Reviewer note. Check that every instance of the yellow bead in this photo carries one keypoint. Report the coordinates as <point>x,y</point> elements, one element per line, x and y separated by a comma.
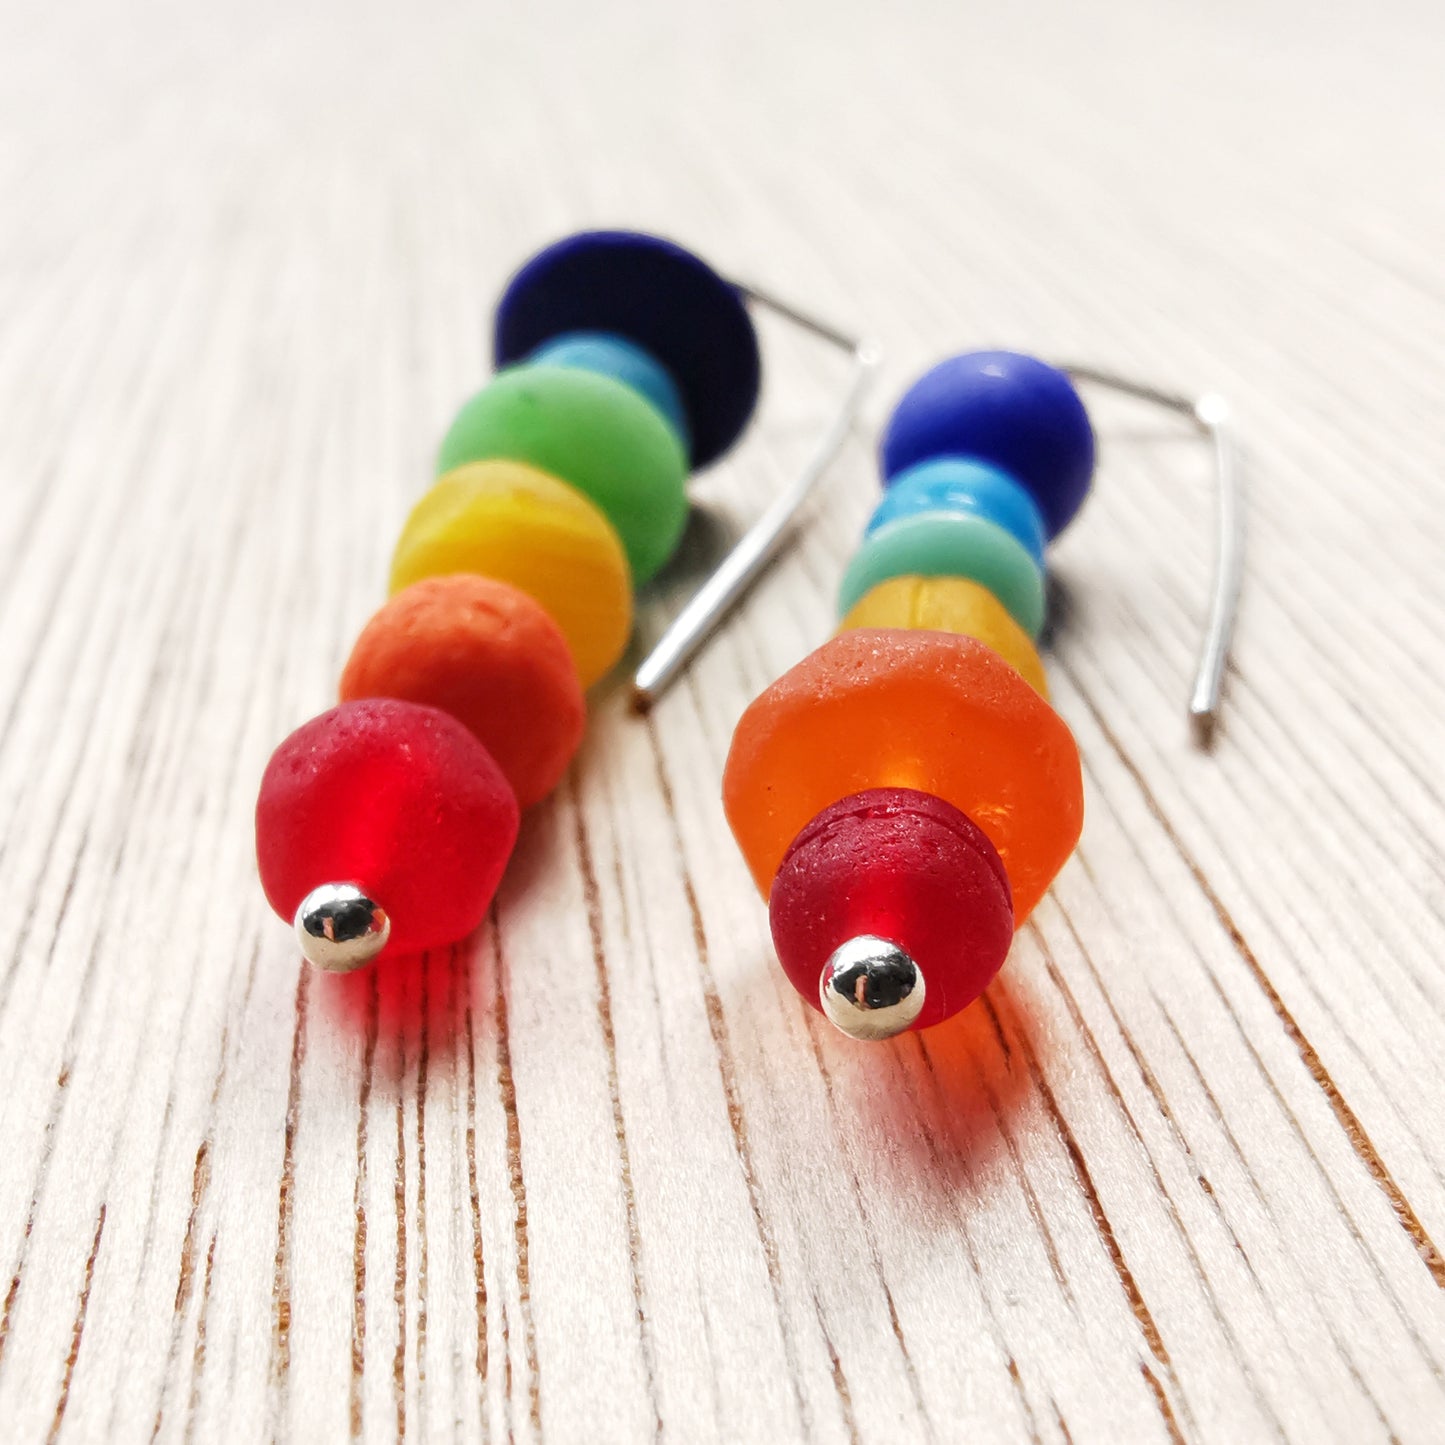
<point>950,604</point>
<point>512,522</point>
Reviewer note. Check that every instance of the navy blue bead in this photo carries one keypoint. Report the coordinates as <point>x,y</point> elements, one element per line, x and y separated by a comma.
<point>998,406</point>
<point>961,484</point>
<point>654,293</point>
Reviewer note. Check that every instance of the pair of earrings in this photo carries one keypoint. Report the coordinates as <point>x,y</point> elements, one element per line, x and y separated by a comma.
<point>904,796</point>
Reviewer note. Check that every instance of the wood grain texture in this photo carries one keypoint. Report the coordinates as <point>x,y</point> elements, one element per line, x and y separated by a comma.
<point>598,1176</point>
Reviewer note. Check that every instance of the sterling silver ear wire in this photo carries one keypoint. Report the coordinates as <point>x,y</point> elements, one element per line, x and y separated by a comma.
<point>1209,412</point>
<point>742,566</point>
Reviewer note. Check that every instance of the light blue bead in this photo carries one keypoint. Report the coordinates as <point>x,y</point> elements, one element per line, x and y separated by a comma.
<point>961,484</point>
<point>949,544</point>
<point>624,361</point>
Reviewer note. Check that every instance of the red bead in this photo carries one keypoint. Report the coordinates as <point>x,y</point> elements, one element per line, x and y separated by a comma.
<point>400,800</point>
<point>907,867</point>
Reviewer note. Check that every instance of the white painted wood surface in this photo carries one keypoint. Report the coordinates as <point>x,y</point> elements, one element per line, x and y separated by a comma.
<point>600,1177</point>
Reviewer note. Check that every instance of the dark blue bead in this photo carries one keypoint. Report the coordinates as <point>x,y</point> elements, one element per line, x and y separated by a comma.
<point>653,293</point>
<point>998,406</point>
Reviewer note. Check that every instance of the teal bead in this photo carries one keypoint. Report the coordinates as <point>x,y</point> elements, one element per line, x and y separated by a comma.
<point>950,544</point>
<point>624,361</point>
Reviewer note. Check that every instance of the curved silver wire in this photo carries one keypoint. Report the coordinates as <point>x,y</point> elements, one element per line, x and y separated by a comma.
<point>1211,414</point>
<point>760,543</point>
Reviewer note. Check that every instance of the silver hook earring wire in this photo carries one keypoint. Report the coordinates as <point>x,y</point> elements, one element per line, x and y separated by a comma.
<point>1210,413</point>
<point>760,543</point>
<point>722,591</point>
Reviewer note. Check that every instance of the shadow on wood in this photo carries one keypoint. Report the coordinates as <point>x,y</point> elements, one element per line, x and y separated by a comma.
<point>933,1110</point>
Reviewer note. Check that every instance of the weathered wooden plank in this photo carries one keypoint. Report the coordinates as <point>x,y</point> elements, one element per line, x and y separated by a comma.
<point>597,1174</point>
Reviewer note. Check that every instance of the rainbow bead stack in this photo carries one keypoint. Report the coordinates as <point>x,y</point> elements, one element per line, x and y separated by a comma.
<point>385,824</point>
<point>905,795</point>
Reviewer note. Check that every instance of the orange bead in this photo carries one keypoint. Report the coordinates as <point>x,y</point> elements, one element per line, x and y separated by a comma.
<point>888,708</point>
<point>492,657</point>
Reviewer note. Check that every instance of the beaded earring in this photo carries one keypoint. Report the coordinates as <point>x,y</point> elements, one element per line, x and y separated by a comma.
<point>905,795</point>
<point>622,362</point>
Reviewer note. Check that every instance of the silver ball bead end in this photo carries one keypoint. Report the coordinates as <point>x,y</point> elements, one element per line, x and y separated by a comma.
<point>340,928</point>
<point>870,988</point>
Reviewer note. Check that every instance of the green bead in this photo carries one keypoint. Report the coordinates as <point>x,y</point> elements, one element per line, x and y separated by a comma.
<point>950,544</point>
<point>592,432</point>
